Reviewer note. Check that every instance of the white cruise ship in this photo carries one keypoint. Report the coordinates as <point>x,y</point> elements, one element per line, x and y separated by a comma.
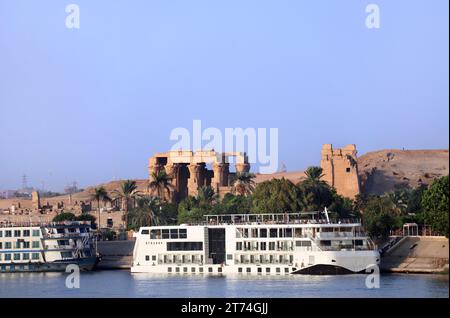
<point>264,244</point>
<point>46,247</point>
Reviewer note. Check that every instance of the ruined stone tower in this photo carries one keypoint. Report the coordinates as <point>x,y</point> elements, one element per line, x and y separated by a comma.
<point>35,200</point>
<point>340,169</point>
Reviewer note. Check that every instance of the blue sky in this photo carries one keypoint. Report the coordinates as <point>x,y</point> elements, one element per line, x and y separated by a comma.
<point>93,104</point>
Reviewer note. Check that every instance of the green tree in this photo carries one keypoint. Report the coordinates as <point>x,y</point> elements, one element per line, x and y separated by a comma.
<point>160,184</point>
<point>435,205</point>
<point>64,216</point>
<point>87,217</point>
<point>128,193</point>
<point>276,196</point>
<point>206,197</point>
<point>100,195</point>
<point>379,216</point>
<point>315,194</point>
<point>145,213</point>
<point>243,183</point>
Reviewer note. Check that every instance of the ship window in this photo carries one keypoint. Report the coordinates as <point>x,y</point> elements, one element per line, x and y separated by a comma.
<point>249,270</point>
<point>210,269</point>
<point>8,233</point>
<point>66,254</point>
<point>229,256</point>
<point>60,231</point>
<point>268,270</point>
<point>35,244</point>
<point>7,257</point>
<point>286,270</point>
<point>17,245</point>
<point>239,246</point>
<point>1,246</point>
<point>155,234</point>
<point>325,243</point>
<point>193,269</point>
<point>273,232</point>
<point>17,233</point>
<point>185,269</point>
<point>359,242</point>
<point>280,232</point>
<point>36,233</point>
<point>185,246</point>
<point>263,246</point>
<point>169,269</point>
<point>288,233</point>
<point>174,233</point>
<point>177,269</point>
<point>1,233</point>
<point>63,242</point>
<point>183,233</point>
<point>16,256</point>
<point>25,233</point>
<point>239,269</point>
<point>219,270</point>
<point>35,256</point>
<point>200,269</point>
<point>263,233</point>
<point>347,169</point>
<point>254,232</point>
<point>165,234</point>
<point>25,256</point>
<point>271,246</point>
<point>153,257</point>
<point>259,270</point>
<point>278,270</point>
<point>147,258</point>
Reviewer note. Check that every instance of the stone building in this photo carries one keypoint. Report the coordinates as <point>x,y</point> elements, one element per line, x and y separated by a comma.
<point>189,170</point>
<point>340,169</point>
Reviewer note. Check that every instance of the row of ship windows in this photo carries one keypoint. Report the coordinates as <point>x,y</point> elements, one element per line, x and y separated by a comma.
<point>166,234</point>
<point>248,270</point>
<point>19,233</point>
<point>26,256</point>
<point>19,244</point>
<point>19,256</point>
<point>271,246</point>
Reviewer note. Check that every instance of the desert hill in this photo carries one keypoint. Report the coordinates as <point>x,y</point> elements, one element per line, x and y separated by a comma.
<point>387,170</point>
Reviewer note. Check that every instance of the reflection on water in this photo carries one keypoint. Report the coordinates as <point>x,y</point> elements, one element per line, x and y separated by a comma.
<point>124,284</point>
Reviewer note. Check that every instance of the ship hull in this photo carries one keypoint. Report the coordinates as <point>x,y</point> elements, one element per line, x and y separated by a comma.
<point>86,264</point>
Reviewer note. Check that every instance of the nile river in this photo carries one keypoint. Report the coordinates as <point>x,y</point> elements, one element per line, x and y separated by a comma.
<point>124,284</point>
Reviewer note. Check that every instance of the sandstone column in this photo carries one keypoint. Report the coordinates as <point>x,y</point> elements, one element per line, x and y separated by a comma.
<point>194,171</point>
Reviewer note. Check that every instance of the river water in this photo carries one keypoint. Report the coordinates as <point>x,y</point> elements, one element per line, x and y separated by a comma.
<point>125,285</point>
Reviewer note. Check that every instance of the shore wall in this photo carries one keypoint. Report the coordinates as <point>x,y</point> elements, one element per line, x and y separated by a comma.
<point>417,254</point>
<point>115,254</point>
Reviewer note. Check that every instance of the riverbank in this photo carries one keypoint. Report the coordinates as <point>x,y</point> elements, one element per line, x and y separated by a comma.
<point>417,254</point>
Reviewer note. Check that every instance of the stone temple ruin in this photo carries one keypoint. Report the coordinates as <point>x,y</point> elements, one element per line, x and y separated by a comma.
<point>189,170</point>
<point>340,169</point>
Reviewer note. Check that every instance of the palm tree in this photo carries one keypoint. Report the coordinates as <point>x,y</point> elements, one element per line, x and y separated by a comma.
<point>100,194</point>
<point>206,196</point>
<point>314,175</point>
<point>317,194</point>
<point>161,183</point>
<point>145,213</point>
<point>243,183</point>
<point>128,192</point>
<point>399,201</point>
